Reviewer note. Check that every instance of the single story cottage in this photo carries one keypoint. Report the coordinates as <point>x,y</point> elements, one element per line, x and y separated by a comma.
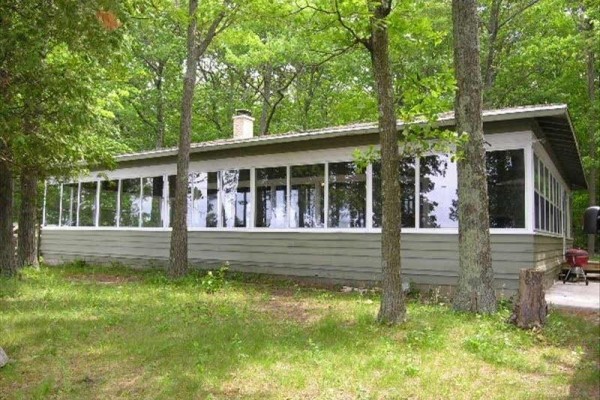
<point>295,205</point>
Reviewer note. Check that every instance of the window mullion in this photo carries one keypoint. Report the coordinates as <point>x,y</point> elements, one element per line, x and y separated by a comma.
<point>119,188</point>
<point>97,213</point>
<point>252,222</point>
<point>326,200</point>
<point>219,200</point>
<point>288,200</point>
<point>369,197</point>
<point>78,203</point>
<point>417,199</point>
<point>60,205</point>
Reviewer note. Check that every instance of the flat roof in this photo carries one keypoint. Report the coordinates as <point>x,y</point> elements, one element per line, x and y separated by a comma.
<point>553,119</point>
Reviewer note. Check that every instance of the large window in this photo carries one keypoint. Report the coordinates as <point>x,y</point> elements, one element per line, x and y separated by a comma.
<point>550,205</point>
<point>307,196</point>
<point>506,188</point>
<point>202,200</point>
<point>172,179</point>
<point>130,202</point>
<point>438,197</point>
<point>406,173</point>
<point>235,198</point>
<point>271,197</point>
<point>332,195</point>
<point>87,204</point>
<point>152,195</point>
<point>69,204</point>
<point>108,203</point>
<point>52,204</point>
<point>347,196</point>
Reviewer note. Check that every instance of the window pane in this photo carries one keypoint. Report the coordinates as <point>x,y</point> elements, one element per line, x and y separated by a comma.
<point>52,204</point>
<point>69,204</point>
<point>506,188</point>
<point>347,196</point>
<point>235,197</point>
<point>536,210</point>
<point>543,213</point>
<point>130,202</point>
<point>307,196</point>
<point>545,182</point>
<point>202,200</point>
<point>271,208</point>
<point>172,183</point>
<point>547,215</point>
<point>407,181</point>
<point>536,172</point>
<point>439,187</point>
<point>108,203</point>
<point>87,204</point>
<point>152,202</point>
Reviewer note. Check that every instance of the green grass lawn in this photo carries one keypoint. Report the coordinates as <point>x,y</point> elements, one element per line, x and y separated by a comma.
<point>81,332</point>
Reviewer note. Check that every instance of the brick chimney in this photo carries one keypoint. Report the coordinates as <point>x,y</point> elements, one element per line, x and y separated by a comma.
<point>243,124</point>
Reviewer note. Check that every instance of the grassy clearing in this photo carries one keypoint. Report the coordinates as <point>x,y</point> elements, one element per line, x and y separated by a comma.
<point>97,332</point>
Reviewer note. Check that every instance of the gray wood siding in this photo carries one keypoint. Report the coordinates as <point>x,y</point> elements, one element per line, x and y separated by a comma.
<point>548,251</point>
<point>427,258</point>
<point>549,255</point>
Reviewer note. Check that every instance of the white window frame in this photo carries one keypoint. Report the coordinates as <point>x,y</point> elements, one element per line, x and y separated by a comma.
<point>497,142</point>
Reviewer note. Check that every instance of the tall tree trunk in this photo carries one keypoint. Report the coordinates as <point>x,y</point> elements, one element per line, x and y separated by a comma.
<point>489,76</point>
<point>178,258</point>
<point>475,291</point>
<point>593,125</point>
<point>7,248</point>
<point>266,104</point>
<point>392,309</point>
<point>27,249</point>
<point>160,105</point>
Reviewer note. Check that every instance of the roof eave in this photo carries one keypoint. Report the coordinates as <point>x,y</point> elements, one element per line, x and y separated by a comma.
<point>445,120</point>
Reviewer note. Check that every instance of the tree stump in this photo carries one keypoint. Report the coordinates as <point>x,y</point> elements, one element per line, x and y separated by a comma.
<point>3,358</point>
<point>530,309</point>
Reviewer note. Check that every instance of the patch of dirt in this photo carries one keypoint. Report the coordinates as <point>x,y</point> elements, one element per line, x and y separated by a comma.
<point>588,315</point>
<point>102,279</point>
<point>283,305</point>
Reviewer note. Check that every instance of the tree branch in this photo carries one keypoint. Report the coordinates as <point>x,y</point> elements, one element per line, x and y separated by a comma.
<point>517,13</point>
<point>356,36</point>
<point>142,116</point>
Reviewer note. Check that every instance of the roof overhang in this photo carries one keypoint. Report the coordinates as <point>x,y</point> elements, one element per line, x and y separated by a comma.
<point>557,136</point>
<point>553,120</point>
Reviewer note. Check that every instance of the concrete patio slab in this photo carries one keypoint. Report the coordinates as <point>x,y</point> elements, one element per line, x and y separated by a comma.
<point>574,295</point>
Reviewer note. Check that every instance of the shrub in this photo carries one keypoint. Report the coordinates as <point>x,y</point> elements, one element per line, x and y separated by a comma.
<point>214,281</point>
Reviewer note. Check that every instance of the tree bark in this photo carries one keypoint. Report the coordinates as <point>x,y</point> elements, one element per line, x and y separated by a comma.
<point>160,105</point>
<point>266,104</point>
<point>27,249</point>
<point>493,26</point>
<point>593,175</point>
<point>392,309</point>
<point>7,248</point>
<point>196,47</point>
<point>475,290</point>
<point>530,309</point>
<point>178,257</point>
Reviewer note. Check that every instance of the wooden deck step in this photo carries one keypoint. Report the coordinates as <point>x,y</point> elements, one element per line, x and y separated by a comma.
<point>592,266</point>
